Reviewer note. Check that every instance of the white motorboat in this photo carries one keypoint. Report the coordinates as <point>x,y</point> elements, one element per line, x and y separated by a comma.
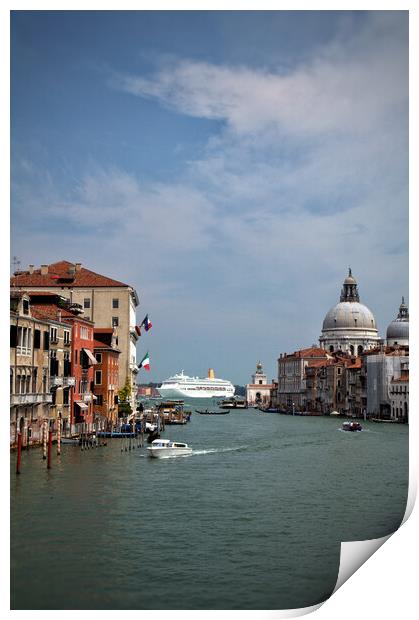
<point>162,448</point>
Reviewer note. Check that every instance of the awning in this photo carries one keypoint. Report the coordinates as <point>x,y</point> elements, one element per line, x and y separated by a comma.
<point>81,404</point>
<point>91,357</point>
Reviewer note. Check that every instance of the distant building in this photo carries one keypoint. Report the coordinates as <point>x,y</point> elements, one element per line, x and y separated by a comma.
<point>292,377</point>
<point>398,330</point>
<point>259,392</point>
<point>349,326</point>
<point>399,393</point>
<point>382,369</point>
<point>105,301</point>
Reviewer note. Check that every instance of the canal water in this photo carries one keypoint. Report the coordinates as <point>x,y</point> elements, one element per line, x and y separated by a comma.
<point>253,519</point>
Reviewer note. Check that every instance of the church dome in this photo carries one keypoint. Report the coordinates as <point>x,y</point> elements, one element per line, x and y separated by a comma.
<point>349,325</point>
<point>349,315</point>
<point>398,330</point>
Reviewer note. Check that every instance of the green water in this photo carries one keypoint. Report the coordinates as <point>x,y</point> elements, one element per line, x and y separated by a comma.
<point>253,519</point>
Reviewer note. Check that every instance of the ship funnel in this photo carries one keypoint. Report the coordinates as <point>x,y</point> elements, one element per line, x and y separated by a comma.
<point>211,373</point>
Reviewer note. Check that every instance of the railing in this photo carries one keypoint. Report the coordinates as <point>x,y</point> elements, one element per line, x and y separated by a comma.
<point>23,350</point>
<point>30,399</point>
<point>62,381</point>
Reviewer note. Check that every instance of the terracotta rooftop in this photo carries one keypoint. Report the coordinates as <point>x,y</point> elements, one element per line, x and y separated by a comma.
<point>318,363</point>
<point>101,345</point>
<point>52,312</point>
<point>310,352</point>
<point>61,274</point>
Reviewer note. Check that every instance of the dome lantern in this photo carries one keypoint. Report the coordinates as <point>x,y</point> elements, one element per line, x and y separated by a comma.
<point>350,288</point>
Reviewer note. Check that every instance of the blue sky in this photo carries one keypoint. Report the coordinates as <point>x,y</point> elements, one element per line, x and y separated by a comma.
<point>229,165</point>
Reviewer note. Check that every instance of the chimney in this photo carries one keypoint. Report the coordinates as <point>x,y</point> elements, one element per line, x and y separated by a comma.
<point>44,270</point>
<point>78,266</point>
<point>72,270</point>
<point>31,268</point>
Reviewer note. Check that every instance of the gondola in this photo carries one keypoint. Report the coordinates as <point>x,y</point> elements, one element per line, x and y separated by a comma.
<point>206,412</point>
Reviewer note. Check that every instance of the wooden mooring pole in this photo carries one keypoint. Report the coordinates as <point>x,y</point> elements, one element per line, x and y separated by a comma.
<point>44,440</point>
<point>19,452</point>
<point>59,436</point>
<point>49,449</point>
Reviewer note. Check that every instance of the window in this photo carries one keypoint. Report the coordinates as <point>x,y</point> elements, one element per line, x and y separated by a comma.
<point>84,332</point>
<point>115,321</point>
<point>99,400</point>
<point>115,303</point>
<point>53,336</point>
<point>24,337</point>
<point>66,337</point>
<point>86,302</point>
<point>98,377</point>
<point>37,339</point>
<point>98,356</point>
<point>46,341</point>
<point>66,393</point>
<point>25,306</point>
<point>13,336</point>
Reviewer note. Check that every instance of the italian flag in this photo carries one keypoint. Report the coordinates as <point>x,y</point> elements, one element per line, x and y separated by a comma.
<point>145,362</point>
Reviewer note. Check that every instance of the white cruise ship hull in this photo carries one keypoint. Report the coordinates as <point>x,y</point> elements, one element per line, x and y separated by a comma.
<point>195,392</point>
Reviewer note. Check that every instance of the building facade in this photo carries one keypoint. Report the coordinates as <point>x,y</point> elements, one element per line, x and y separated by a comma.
<point>259,391</point>
<point>292,377</point>
<point>399,394</point>
<point>106,383</point>
<point>30,396</point>
<point>106,302</point>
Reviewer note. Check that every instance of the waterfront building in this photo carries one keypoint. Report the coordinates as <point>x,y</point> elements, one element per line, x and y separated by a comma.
<point>30,396</point>
<point>383,367</point>
<point>259,391</point>
<point>107,302</point>
<point>44,306</point>
<point>76,359</point>
<point>399,393</point>
<point>106,381</point>
<point>312,399</point>
<point>349,326</point>
<point>291,376</point>
<point>398,330</point>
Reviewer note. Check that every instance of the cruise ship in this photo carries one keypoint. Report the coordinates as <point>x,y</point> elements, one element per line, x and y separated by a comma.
<point>182,386</point>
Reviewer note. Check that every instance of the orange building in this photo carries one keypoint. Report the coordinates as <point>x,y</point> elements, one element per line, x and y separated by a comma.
<point>106,377</point>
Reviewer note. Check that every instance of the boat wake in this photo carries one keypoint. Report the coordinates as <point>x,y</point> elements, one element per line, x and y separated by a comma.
<point>217,450</point>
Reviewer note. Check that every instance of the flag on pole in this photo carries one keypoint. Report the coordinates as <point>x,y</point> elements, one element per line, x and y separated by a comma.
<point>147,323</point>
<point>145,362</point>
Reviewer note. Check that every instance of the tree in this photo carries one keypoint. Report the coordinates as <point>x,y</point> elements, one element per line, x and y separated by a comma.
<point>124,395</point>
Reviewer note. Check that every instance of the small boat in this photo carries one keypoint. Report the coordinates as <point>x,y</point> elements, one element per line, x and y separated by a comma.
<point>161,448</point>
<point>74,441</point>
<point>351,426</point>
<point>206,412</point>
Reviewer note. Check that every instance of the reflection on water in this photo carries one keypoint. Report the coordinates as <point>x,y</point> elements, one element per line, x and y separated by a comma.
<point>253,519</point>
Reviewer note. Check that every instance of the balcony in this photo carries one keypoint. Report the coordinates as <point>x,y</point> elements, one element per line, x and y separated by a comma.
<point>30,399</point>
<point>23,350</point>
